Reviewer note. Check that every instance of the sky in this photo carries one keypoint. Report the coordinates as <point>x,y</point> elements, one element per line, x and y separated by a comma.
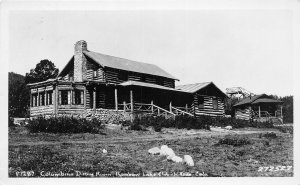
<point>252,48</point>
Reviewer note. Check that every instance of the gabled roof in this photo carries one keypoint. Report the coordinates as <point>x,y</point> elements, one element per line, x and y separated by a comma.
<point>144,84</point>
<point>262,98</point>
<point>193,88</point>
<point>127,65</point>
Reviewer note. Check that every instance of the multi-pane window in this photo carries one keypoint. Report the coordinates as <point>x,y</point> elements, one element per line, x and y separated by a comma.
<point>77,97</point>
<point>64,97</point>
<point>34,100</point>
<point>49,97</point>
<point>42,98</point>
<point>215,103</point>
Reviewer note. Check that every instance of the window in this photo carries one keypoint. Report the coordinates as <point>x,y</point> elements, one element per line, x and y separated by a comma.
<point>123,76</point>
<point>49,97</point>
<point>64,97</point>
<point>34,100</point>
<point>42,99</point>
<point>215,103</point>
<point>78,97</point>
<point>95,74</point>
<point>200,102</point>
<point>159,81</point>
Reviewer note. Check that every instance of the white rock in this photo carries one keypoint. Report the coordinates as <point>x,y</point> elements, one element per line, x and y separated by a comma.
<point>154,151</point>
<point>228,127</point>
<point>176,159</point>
<point>169,152</point>
<point>104,151</point>
<point>188,160</point>
<point>163,150</point>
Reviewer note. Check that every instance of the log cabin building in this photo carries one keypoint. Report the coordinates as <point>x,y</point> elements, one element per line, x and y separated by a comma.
<point>93,83</point>
<point>260,108</point>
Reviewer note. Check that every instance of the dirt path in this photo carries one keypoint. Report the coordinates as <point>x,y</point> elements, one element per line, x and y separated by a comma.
<point>126,139</point>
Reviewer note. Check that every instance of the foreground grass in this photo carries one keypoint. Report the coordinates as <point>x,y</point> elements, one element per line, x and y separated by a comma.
<point>87,159</point>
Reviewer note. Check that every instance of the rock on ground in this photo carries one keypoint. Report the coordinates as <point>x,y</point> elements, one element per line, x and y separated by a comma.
<point>154,151</point>
<point>177,159</point>
<point>188,160</point>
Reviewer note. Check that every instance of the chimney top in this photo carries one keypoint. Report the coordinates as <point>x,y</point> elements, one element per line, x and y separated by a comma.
<point>80,46</point>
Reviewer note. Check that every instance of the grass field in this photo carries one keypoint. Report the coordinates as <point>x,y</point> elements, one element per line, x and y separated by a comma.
<point>81,154</point>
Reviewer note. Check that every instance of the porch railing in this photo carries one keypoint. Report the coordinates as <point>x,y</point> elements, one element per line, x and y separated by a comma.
<point>178,111</point>
<point>147,108</point>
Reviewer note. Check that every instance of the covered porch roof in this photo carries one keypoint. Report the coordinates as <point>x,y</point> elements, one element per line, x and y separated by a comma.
<point>149,85</point>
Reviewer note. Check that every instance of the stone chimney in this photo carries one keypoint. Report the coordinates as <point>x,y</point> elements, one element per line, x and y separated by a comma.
<point>80,61</point>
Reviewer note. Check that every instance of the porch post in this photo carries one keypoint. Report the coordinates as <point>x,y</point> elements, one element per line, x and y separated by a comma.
<point>38,102</point>
<point>56,100</point>
<point>30,104</point>
<point>259,111</point>
<point>116,98</point>
<point>124,106</point>
<point>152,106</point>
<point>131,101</point>
<point>94,99</point>
<point>281,111</point>
<point>170,106</point>
<point>131,105</point>
<point>186,108</point>
<point>84,98</point>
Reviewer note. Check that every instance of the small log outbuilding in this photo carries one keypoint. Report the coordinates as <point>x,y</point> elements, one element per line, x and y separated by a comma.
<point>93,83</point>
<point>259,107</point>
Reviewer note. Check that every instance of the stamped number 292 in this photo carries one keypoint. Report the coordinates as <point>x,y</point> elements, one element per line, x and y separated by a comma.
<point>274,168</point>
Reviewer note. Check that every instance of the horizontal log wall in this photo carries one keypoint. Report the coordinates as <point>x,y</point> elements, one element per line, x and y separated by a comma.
<point>70,109</point>
<point>90,68</point>
<point>113,76</point>
<point>41,110</point>
<point>243,114</point>
<point>208,108</point>
<point>134,77</point>
<point>100,97</point>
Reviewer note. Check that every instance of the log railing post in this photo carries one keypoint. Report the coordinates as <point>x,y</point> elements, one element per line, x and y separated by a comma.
<point>124,106</point>
<point>259,111</point>
<point>170,106</point>
<point>186,108</point>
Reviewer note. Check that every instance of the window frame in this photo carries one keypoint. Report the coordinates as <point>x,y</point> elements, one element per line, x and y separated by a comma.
<point>215,103</point>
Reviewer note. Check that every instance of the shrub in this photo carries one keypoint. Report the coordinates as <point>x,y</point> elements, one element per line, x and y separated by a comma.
<point>270,135</point>
<point>234,141</point>
<point>11,122</point>
<point>286,129</point>
<point>64,124</point>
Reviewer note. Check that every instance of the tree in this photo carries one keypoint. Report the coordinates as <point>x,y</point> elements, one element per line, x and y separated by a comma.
<point>287,109</point>
<point>229,102</point>
<point>44,70</point>
<point>18,97</point>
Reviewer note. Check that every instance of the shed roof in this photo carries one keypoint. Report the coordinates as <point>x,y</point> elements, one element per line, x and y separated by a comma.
<point>128,65</point>
<point>144,84</point>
